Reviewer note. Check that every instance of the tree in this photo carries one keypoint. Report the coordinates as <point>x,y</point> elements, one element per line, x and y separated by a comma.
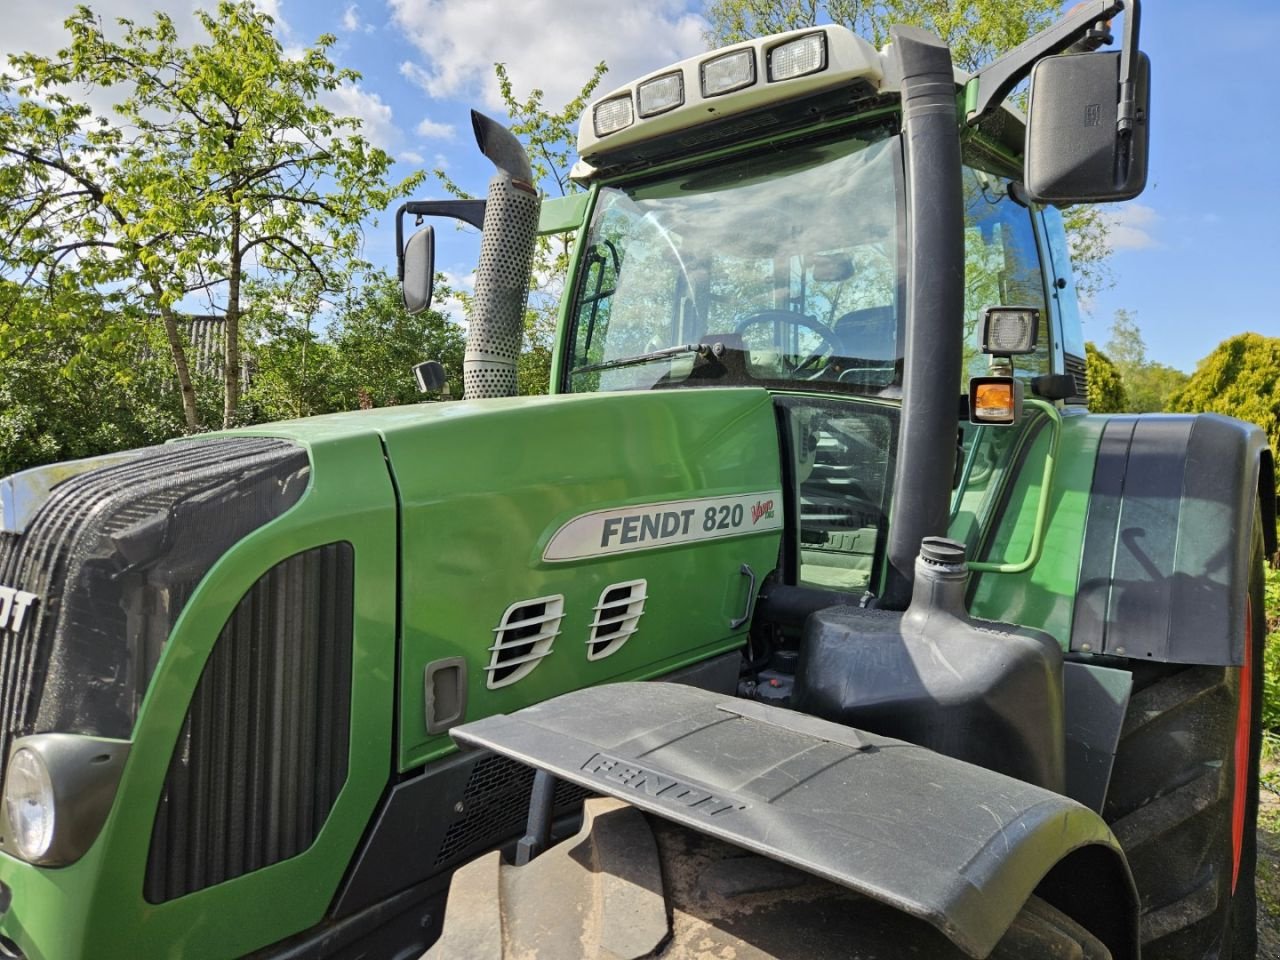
<point>1148,385</point>
<point>1106,388</point>
<point>550,140</point>
<point>57,350</point>
<point>1240,378</point>
<point>363,357</point>
<point>977,31</point>
<point>214,159</point>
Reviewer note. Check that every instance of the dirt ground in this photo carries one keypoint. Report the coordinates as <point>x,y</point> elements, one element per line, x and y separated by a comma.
<point>1269,874</point>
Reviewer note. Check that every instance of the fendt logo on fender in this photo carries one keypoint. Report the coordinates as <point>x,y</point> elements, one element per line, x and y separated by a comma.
<point>627,774</point>
<point>15,607</point>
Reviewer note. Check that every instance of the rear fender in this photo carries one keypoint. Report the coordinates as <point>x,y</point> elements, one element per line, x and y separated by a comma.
<point>953,844</point>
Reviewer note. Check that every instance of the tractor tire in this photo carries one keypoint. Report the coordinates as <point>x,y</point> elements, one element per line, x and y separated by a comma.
<point>629,886</point>
<point>1172,798</point>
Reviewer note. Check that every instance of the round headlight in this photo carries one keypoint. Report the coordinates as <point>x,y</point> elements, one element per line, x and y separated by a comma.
<point>28,797</point>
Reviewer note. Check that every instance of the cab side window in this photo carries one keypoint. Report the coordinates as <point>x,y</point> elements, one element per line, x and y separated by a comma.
<point>1001,268</point>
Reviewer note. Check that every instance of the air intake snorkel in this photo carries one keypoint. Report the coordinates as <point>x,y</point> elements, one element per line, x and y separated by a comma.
<point>506,262</point>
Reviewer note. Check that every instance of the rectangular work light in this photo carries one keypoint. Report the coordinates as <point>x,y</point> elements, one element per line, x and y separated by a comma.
<point>733,71</point>
<point>1007,331</point>
<point>798,58</point>
<point>661,94</point>
<point>610,116</point>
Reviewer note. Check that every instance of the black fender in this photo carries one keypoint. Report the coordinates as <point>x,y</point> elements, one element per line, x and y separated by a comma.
<point>1164,569</point>
<point>955,845</point>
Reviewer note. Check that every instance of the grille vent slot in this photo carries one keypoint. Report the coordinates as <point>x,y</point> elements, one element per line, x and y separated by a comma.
<point>617,617</point>
<point>1077,369</point>
<point>522,638</point>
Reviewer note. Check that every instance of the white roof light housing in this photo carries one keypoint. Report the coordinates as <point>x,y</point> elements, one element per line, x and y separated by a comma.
<point>728,72</point>
<point>612,115</point>
<point>850,62</point>
<point>661,94</point>
<point>797,58</point>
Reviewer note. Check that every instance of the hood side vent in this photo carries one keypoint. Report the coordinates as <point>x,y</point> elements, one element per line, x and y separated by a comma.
<point>522,638</point>
<point>617,616</point>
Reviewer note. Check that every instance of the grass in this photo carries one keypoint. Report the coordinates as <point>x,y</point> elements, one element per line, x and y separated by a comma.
<point>1271,689</point>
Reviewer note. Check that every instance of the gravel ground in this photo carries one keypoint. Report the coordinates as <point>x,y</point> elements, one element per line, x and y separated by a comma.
<point>1269,874</point>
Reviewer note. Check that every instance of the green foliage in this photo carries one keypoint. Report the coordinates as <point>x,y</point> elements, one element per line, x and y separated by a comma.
<point>1271,655</point>
<point>1106,388</point>
<point>213,158</point>
<point>1147,384</point>
<point>364,358</point>
<point>1240,378</point>
<point>76,390</point>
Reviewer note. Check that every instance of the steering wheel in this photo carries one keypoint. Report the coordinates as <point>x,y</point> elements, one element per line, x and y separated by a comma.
<point>831,345</point>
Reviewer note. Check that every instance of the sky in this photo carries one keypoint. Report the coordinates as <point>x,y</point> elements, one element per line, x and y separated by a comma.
<point>1197,256</point>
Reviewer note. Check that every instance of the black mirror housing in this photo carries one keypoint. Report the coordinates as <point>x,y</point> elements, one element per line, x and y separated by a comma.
<point>1074,150</point>
<point>418,270</point>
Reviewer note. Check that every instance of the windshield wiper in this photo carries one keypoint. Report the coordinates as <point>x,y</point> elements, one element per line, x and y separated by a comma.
<point>700,349</point>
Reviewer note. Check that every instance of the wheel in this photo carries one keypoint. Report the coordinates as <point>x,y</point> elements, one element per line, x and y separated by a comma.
<point>1173,801</point>
<point>830,346</point>
<point>631,886</point>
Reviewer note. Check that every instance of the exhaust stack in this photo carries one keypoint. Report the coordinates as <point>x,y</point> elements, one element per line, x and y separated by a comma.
<point>506,261</point>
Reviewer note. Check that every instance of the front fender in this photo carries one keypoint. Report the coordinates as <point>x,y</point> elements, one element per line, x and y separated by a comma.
<point>956,845</point>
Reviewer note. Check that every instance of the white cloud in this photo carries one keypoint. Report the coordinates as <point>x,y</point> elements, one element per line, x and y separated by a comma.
<point>531,39</point>
<point>411,156</point>
<point>351,21</point>
<point>432,130</point>
<point>376,123</point>
<point>1131,226</point>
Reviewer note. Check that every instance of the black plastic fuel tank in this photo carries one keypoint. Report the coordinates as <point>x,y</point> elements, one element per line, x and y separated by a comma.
<point>988,693</point>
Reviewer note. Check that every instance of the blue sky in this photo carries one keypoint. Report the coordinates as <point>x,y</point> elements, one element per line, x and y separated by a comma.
<point>1197,256</point>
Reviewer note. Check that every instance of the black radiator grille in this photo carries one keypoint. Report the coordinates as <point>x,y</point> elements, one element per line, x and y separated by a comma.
<point>263,751</point>
<point>495,806</point>
<point>1077,369</point>
<point>102,548</point>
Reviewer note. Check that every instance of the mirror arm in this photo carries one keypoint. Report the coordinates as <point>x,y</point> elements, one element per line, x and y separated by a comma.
<point>468,211</point>
<point>988,88</point>
<point>1128,110</point>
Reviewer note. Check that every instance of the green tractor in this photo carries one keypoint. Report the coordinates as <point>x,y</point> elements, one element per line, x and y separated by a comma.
<point>946,665</point>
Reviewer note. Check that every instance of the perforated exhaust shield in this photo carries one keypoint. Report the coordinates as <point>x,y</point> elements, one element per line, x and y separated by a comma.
<point>506,261</point>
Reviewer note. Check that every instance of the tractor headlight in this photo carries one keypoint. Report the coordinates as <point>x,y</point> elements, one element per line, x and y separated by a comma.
<point>28,800</point>
<point>613,115</point>
<point>661,94</point>
<point>731,72</point>
<point>58,790</point>
<point>797,58</point>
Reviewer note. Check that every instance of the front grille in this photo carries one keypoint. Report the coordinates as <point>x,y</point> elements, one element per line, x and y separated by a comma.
<point>263,752</point>
<point>111,557</point>
<point>1077,369</point>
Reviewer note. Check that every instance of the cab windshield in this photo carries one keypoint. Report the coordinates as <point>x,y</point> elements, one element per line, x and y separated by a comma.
<point>769,270</point>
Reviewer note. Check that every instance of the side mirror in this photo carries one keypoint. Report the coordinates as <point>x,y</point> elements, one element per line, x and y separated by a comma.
<point>418,270</point>
<point>1077,148</point>
<point>430,376</point>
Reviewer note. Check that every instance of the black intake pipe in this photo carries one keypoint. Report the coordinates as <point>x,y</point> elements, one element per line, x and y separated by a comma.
<point>921,502</point>
<point>506,261</point>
